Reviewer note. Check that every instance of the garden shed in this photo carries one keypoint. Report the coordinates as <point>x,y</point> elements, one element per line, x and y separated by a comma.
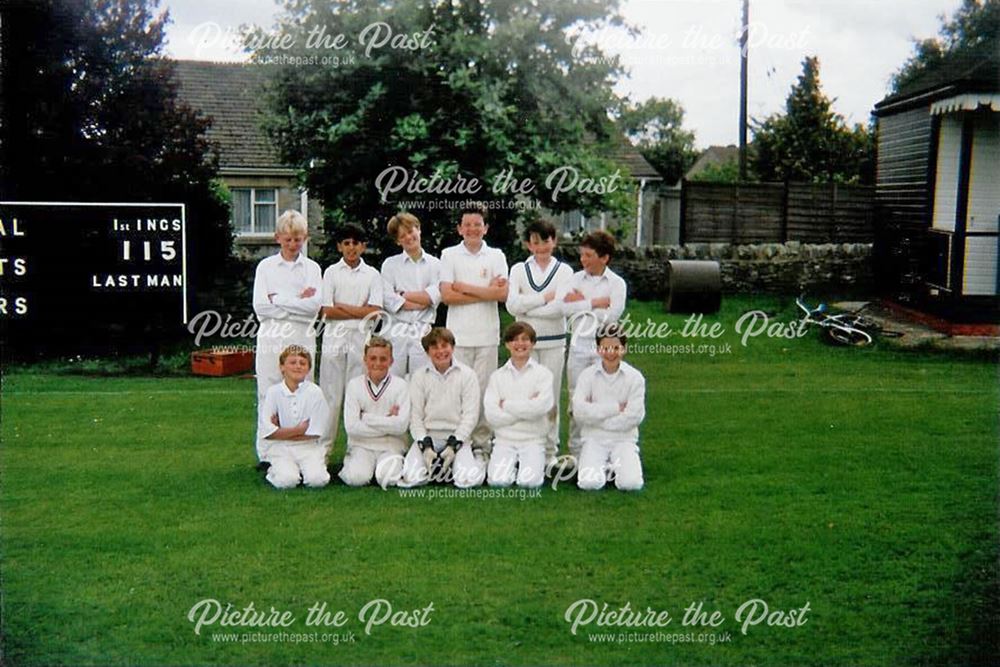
<point>938,189</point>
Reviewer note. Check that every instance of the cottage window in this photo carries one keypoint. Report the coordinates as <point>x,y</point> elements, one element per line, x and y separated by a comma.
<point>255,210</point>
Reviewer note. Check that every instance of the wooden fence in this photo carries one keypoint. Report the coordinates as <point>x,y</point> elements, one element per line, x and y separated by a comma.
<point>776,212</point>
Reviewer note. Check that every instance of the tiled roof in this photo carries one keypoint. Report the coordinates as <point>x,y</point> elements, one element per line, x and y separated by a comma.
<point>713,156</point>
<point>229,93</point>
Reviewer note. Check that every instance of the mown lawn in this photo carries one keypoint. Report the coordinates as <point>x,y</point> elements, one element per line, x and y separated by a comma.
<point>861,482</point>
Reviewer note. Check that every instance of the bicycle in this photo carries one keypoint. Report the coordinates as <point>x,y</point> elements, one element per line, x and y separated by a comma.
<point>849,329</point>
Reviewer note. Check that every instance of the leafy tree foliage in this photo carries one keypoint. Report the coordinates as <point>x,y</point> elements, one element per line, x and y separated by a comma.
<point>973,29</point>
<point>476,89</point>
<point>656,128</point>
<point>809,142</point>
<point>90,113</point>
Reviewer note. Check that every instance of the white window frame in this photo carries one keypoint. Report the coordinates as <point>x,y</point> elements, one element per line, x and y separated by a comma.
<point>254,232</point>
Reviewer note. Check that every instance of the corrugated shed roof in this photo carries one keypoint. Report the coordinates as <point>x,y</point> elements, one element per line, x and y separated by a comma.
<point>230,94</point>
<point>977,71</point>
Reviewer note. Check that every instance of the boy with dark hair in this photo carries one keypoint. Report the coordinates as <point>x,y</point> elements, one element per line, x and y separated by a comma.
<point>532,297</point>
<point>352,293</point>
<point>444,409</point>
<point>595,296</point>
<point>609,403</point>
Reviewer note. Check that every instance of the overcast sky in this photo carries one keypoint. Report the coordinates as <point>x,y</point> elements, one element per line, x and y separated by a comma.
<point>688,49</point>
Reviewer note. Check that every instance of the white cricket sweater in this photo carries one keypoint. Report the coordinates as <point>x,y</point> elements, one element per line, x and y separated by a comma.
<point>446,403</point>
<point>527,399</point>
<point>526,299</point>
<point>366,413</point>
<point>597,404</point>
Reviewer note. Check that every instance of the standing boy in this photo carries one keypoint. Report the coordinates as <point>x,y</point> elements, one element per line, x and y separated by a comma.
<point>610,403</point>
<point>532,298</point>
<point>287,294</point>
<point>293,418</point>
<point>444,409</point>
<point>411,292</point>
<point>473,282</point>
<point>352,293</point>
<point>376,417</point>
<point>595,296</point>
<point>517,404</point>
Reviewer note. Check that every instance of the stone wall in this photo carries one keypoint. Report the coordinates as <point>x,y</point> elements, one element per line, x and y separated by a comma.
<point>777,268</point>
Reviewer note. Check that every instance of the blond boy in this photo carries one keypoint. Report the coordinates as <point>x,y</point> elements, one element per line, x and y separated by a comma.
<point>292,419</point>
<point>287,294</point>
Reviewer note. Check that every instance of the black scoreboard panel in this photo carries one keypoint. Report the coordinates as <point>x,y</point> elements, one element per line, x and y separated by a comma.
<point>87,266</point>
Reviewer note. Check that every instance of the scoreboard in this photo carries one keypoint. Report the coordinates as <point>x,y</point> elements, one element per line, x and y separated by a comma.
<point>119,262</point>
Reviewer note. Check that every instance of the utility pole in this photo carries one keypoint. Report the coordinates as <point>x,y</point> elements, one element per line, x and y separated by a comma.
<point>743,89</point>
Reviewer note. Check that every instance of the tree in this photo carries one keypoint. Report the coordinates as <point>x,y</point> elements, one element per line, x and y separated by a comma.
<point>656,128</point>
<point>809,142</point>
<point>974,29</point>
<point>468,92</point>
<point>724,172</point>
<point>90,113</point>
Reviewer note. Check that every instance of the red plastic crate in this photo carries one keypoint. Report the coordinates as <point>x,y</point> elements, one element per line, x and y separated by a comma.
<point>219,363</point>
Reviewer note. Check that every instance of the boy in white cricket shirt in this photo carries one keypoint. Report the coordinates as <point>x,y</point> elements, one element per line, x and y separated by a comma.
<point>293,418</point>
<point>596,296</point>
<point>517,404</point>
<point>287,294</point>
<point>610,403</point>
<point>473,282</point>
<point>376,418</point>
<point>411,293</point>
<point>532,291</point>
<point>352,291</point>
<point>444,409</point>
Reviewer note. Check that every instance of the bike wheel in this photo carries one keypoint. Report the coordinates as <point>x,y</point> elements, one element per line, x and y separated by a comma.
<point>847,337</point>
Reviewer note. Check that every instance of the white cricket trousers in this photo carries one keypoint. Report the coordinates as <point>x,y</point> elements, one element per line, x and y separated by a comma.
<point>407,355</point>
<point>273,337</point>
<point>482,360</point>
<point>341,362</point>
<point>468,470</point>
<point>293,461</point>
<point>619,460</point>
<point>523,463</point>
<point>361,464</point>
<point>553,358</point>
<point>575,365</point>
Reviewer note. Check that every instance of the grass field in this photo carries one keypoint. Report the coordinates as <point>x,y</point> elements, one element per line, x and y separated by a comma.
<point>861,482</point>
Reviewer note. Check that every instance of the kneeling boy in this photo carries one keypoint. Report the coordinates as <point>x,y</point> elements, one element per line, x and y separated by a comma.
<point>376,414</point>
<point>517,404</point>
<point>444,397</point>
<point>293,419</point>
<point>610,402</point>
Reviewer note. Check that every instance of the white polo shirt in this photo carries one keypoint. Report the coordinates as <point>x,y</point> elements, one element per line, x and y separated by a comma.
<point>286,281</point>
<point>583,318</point>
<point>526,299</point>
<point>522,419</point>
<point>400,273</point>
<point>474,324</point>
<point>292,407</point>
<point>597,403</point>
<point>355,286</point>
